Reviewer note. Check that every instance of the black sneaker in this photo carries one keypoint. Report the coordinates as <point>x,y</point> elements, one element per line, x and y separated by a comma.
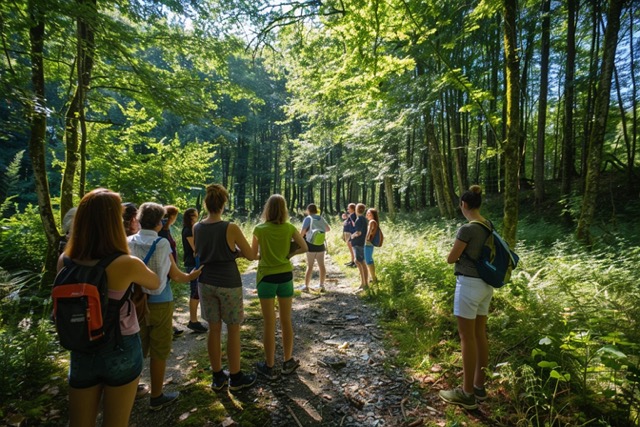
<point>239,381</point>
<point>481,393</point>
<point>265,371</point>
<point>165,399</point>
<point>290,366</point>
<point>177,332</point>
<point>197,327</point>
<point>220,379</point>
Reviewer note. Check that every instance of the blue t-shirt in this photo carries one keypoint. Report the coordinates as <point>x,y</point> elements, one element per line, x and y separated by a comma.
<point>361,226</point>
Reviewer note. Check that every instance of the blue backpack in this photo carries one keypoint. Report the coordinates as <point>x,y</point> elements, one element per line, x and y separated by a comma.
<point>496,259</point>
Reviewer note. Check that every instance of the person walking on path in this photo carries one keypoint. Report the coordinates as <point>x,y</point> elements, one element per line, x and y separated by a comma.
<point>358,239</point>
<point>349,220</point>
<point>218,243</point>
<point>189,218</point>
<point>272,241</point>
<point>471,304</point>
<point>316,252</point>
<point>111,375</point>
<point>373,230</point>
<point>156,327</point>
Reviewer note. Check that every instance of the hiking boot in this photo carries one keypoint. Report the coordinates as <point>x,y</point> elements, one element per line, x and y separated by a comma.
<point>459,397</point>
<point>197,327</point>
<point>239,381</point>
<point>265,371</point>
<point>142,390</point>
<point>177,332</point>
<point>220,379</point>
<point>290,366</point>
<point>165,399</point>
<point>481,393</point>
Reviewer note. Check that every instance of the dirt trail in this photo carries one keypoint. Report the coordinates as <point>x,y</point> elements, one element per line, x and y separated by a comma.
<point>342,380</point>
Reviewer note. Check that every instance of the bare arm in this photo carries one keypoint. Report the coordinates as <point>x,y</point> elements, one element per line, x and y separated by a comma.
<point>238,239</point>
<point>179,276</point>
<point>192,243</point>
<point>456,251</point>
<point>371,230</point>
<point>297,237</point>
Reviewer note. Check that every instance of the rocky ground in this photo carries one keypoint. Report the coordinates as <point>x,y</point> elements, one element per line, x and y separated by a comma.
<point>346,377</point>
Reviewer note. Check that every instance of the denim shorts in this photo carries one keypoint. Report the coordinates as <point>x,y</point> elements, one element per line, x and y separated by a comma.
<point>267,290</point>
<point>112,367</point>
<point>368,254</point>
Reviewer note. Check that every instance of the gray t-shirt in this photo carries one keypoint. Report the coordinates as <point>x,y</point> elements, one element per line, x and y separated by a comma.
<point>474,235</point>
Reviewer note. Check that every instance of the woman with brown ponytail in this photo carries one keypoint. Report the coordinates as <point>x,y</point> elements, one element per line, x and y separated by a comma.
<point>471,303</point>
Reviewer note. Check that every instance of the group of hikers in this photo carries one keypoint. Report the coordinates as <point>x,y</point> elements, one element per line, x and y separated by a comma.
<point>132,239</point>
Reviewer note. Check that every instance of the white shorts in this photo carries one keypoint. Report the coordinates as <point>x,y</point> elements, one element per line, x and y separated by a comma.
<point>472,297</point>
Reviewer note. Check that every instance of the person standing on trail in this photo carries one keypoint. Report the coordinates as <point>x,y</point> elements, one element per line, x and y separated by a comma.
<point>316,252</point>
<point>272,241</point>
<point>471,304</point>
<point>218,243</point>
<point>358,238</point>
<point>109,376</point>
<point>373,230</point>
<point>348,225</point>
<point>156,327</point>
<point>189,218</point>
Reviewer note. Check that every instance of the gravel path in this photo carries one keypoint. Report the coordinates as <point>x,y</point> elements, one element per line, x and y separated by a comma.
<point>346,377</point>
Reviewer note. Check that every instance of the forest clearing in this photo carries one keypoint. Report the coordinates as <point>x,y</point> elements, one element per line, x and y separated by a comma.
<point>401,105</point>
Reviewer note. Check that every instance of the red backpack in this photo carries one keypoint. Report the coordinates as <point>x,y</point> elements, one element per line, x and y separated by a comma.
<point>86,319</point>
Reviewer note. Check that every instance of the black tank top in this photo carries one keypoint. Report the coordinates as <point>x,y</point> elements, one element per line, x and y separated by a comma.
<point>220,268</point>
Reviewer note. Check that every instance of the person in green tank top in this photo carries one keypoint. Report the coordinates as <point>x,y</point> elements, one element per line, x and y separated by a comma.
<point>272,240</point>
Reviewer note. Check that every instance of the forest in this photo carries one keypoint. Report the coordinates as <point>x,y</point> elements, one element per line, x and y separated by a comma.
<point>399,104</point>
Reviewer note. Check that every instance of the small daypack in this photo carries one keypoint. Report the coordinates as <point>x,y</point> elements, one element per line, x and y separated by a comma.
<point>378,239</point>
<point>86,319</point>
<point>315,236</point>
<point>138,296</point>
<point>496,259</point>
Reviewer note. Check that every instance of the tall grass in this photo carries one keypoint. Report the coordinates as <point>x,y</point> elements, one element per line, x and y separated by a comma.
<point>564,333</point>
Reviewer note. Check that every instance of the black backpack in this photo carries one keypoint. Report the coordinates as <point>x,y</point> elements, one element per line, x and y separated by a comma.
<point>86,319</point>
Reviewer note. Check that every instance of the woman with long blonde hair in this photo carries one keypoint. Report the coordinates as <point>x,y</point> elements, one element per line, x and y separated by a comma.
<point>272,240</point>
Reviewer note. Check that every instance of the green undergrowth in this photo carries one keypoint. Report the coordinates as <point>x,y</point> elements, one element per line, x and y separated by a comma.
<point>564,336</point>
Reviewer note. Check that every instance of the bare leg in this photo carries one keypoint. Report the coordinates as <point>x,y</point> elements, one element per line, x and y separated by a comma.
<point>364,274</point>
<point>372,272</point>
<point>286,325</point>
<point>193,309</point>
<point>322,268</point>
<point>269,330</point>
<point>467,332</point>
<point>83,405</point>
<point>309,272</point>
<point>482,355</point>
<point>233,348</point>
<point>353,257</point>
<point>213,346</point>
<point>118,402</point>
<point>156,370</point>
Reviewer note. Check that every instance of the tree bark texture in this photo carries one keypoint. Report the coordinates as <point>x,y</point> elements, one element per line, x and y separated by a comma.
<point>596,142</point>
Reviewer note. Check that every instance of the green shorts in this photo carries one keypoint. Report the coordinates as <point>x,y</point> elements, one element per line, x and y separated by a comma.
<point>267,290</point>
<point>156,331</point>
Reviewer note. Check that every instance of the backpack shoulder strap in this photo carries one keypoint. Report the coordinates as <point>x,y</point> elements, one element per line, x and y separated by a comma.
<point>152,249</point>
<point>489,227</point>
<point>104,262</point>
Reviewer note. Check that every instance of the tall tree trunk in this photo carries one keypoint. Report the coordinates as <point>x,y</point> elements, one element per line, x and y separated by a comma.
<point>438,171</point>
<point>538,173</point>
<point>510,146</point>
<point>38,128</point>
<point>596,143</point>
<point>85,49</point>
<point>388,191</point>
<point>568,144</point>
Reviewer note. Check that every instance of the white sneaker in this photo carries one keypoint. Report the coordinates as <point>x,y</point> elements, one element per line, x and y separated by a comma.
<point>319,288</point>
<point>303,288</point>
